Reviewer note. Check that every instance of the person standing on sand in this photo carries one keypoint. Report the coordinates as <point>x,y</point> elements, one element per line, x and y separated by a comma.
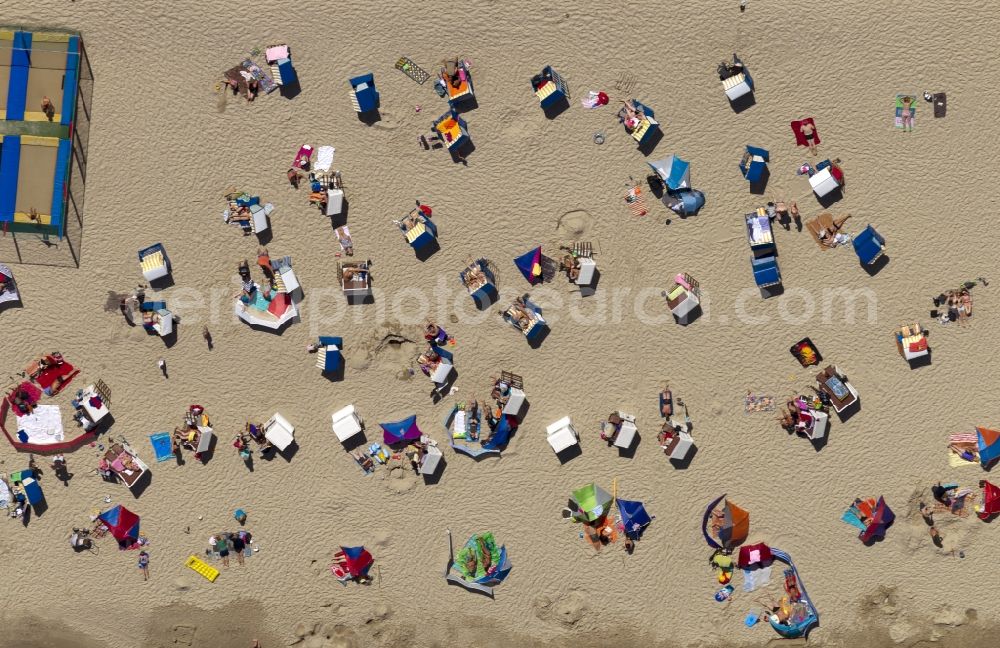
<point>144,565</point>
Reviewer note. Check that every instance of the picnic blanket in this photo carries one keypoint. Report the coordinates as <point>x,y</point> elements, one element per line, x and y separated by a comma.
<point>898,122</point>
<point>43,425</point>
<point>48,377</point>
<point>800,138</point>
<point>412,70</point>
<point>267,84</point>
<point>757,403</point>
<point>33,393</point>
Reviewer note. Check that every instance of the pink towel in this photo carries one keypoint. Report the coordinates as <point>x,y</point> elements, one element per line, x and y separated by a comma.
<point>276,53</point>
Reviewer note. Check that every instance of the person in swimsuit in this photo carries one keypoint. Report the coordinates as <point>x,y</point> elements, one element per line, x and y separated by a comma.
<point>907,115</point>
<point>144,565</point>
<point>809,132</point>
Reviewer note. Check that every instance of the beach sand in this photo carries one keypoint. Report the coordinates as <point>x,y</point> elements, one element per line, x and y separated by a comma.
<point>165,144</point>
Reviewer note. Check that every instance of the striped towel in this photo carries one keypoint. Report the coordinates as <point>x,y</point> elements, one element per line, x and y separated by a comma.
<point>969,440</point>
<point>636,201</point>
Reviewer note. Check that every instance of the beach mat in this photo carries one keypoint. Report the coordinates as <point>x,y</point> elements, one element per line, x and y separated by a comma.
<point>412,70</point>
<point>267,84</point>
<point>940,105</point>
<point>800,139</point>
<point>898,122</point>
<point>757,403</point>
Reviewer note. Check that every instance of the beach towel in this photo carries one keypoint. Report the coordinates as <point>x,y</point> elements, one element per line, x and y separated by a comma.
<point>163,448</point>
<point>324,158</point>
<point>968,441</point>
<point>412,70</point>
<point>757,403</point>
<point>594,99</point>
<point>267,84</point>
<point>636,201</point>
<point>899,110</point>
<point>47,378</point>
<point>800,139</point>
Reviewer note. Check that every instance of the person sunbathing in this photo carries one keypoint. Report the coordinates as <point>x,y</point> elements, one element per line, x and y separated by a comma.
<point>428,361</point>
<point>809,133</point>
<point>474,278</point>
<point>435,334</point>
<point>346,243</point>
<point>630,116</point>
<point>571,265</point>
<point>354,273</point>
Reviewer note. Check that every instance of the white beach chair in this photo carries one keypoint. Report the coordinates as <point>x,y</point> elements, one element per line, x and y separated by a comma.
<point>562,435</point>
<point>346,423</point>
<point>279,432</point>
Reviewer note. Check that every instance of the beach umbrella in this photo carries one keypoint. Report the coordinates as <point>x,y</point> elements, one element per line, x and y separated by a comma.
<point>591,502</point>
<point>674,172</point>
<point>733,527</point>
<point>882,519</point>
<point>122,523</point>
<point>988,445</point>
<point>530,265</point>
<point>991,501</point>
<point>635,519</point>
<point>405,430</point>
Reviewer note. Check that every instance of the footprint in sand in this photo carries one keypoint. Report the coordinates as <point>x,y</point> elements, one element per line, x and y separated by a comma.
<point>575,224</point>
<point>567,610</point>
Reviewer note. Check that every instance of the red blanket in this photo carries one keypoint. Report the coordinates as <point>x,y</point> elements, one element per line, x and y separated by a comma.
<point>48,377</point>
<point>800,139</point>
<point>33,394</point>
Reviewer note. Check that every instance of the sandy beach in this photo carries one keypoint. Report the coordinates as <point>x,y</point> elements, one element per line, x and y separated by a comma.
<point>165,144</point>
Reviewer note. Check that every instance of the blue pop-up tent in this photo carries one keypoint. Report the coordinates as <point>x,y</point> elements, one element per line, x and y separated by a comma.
<point>635,519</point>
<point>405,430</point>
<point>674,172</point>
<point>530,265</point>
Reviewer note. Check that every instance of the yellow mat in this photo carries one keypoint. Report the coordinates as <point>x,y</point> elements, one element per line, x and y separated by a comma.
<point>210,573</point>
